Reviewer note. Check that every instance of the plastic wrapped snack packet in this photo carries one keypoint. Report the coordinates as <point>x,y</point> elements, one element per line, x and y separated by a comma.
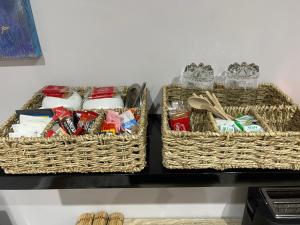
<point>128,120</point>
<point>65,118</point>
<point>114,117</point>
<point>86,122</point>
<point>56,130</point>
<point>108,128</point>
<point>226,126</point>
<point>253,128</point>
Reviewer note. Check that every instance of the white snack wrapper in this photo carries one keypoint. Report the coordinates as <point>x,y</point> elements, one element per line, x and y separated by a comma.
<point>34,119</point>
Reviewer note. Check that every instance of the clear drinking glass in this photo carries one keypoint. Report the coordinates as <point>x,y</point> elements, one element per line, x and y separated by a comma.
<point>242,76</point>
<point>201,76</point>
<point>220,79</point>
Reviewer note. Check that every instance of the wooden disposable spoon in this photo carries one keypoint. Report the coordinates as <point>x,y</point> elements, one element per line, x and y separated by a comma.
<point>213,105</point>
<point>214,100</point>
<point>200,103</point>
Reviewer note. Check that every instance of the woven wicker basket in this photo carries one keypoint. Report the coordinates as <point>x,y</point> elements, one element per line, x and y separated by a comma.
<point>205,147</point>
<point>66,154</point>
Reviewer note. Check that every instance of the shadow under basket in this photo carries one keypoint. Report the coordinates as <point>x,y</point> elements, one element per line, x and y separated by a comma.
<point>81,154</point>
<point>278,147</point>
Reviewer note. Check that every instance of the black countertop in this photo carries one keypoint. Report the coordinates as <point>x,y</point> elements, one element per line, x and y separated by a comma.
<point>154,175</point>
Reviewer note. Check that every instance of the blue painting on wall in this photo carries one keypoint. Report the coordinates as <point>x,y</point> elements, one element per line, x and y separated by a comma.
<point>18,36</point>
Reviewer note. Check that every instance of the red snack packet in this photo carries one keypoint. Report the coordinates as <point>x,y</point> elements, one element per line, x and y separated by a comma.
<point>108,128</point>
<point>181,123</point>
<point>50,133</point>
<point>102,92</point>
<point>86,122</point>
<point>65,118</point>
<point>56,91</point>
<point>56,130</point>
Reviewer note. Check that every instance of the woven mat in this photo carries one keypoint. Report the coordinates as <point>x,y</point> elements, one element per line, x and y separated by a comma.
<point>182,222</point>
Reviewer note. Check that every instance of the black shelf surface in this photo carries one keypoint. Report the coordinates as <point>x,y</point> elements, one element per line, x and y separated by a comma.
<point>154,175</point>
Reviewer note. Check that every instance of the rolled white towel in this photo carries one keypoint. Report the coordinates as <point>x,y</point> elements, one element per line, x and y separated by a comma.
<point>74,102</point>
<point>104,103</point>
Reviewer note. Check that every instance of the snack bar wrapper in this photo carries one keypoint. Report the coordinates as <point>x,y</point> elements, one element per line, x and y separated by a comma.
<point>65,118</point>
<point>86,122</point>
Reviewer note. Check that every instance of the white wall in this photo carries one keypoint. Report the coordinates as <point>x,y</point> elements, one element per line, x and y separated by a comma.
<point>124,41</point>
<point>63,207</point>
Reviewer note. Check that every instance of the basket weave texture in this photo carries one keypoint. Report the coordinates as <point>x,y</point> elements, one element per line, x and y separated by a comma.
<point>206,148</point>
<point>67,154</point>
